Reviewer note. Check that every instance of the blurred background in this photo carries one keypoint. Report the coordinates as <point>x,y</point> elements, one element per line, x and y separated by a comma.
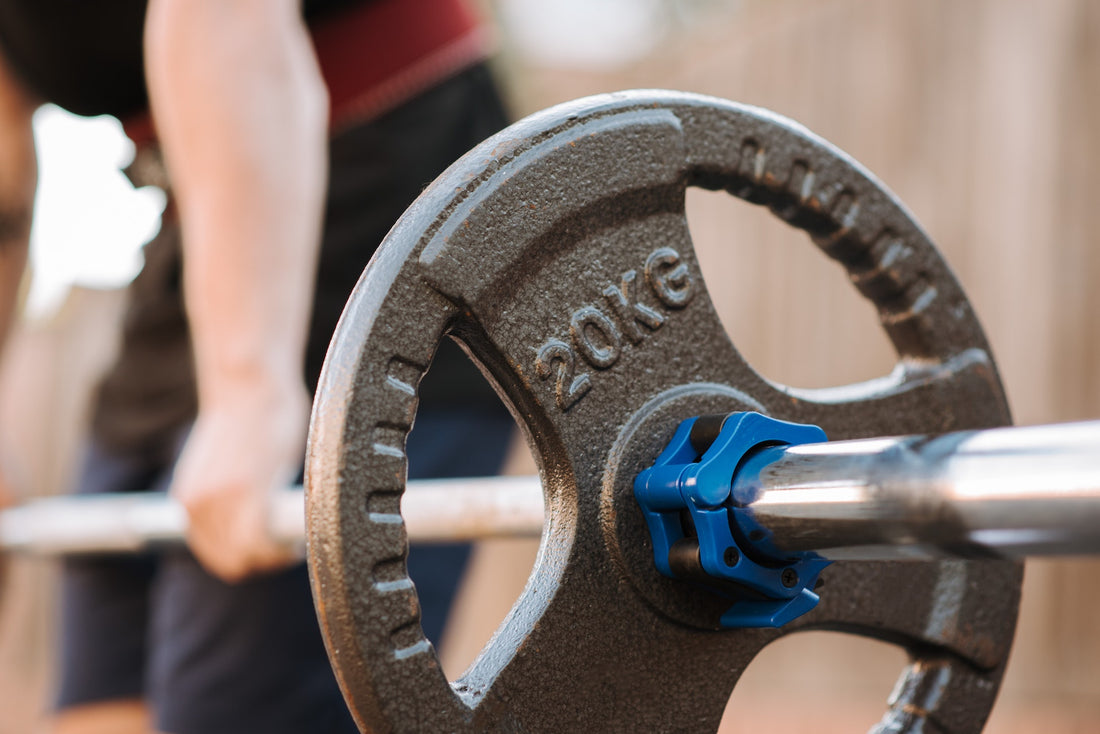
<point>982,115</point>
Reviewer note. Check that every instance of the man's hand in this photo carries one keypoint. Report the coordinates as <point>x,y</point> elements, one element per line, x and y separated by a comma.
<point>237,454</point>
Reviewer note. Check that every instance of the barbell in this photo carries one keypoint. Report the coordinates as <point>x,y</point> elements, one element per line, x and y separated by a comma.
<point>557,254</point>
<point>434,510</point>
<point>1010,492</point>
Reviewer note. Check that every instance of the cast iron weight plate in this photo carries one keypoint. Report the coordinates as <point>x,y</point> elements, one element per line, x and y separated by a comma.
<point>558,254</point>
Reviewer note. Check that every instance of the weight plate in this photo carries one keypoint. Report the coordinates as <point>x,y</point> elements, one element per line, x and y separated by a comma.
<point>558,254</point>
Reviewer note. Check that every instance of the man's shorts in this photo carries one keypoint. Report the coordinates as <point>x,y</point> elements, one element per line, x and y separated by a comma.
<point>213,658</point>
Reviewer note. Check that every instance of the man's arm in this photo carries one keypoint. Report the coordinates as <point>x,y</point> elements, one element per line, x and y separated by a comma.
<point>18,180</point>
<point>241,112</point>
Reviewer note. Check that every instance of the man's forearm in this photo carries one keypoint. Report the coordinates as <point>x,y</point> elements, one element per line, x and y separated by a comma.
<point>18,179</point>
<point>241,112</point>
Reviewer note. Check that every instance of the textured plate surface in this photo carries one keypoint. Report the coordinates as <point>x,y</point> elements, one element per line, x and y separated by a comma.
<point>558,254</point>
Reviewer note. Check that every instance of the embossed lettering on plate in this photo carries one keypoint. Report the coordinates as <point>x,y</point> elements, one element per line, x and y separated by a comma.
<point>597,333</point>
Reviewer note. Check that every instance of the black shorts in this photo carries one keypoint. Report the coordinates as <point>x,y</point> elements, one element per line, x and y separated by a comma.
<point>213,658</point>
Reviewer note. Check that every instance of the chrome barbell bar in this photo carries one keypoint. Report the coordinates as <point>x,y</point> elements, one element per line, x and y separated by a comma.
<point>1006,492</point>
<point>435,510</point>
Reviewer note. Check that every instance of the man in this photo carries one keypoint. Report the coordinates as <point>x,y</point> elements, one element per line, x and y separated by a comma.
<point>224,640</point>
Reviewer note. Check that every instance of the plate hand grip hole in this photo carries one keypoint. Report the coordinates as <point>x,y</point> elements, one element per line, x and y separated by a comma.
<point>793,317</point>
<point>796,677</point>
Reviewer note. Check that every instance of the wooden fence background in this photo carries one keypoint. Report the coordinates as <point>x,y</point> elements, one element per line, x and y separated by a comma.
<point>983,116</point>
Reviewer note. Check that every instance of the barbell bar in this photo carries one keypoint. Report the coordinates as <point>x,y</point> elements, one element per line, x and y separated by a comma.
<point>1004,492</point>
<point>435,510</point>
<point>559,255</point>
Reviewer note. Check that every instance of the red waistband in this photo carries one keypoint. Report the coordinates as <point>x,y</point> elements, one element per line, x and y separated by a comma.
<point>376,56</point>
